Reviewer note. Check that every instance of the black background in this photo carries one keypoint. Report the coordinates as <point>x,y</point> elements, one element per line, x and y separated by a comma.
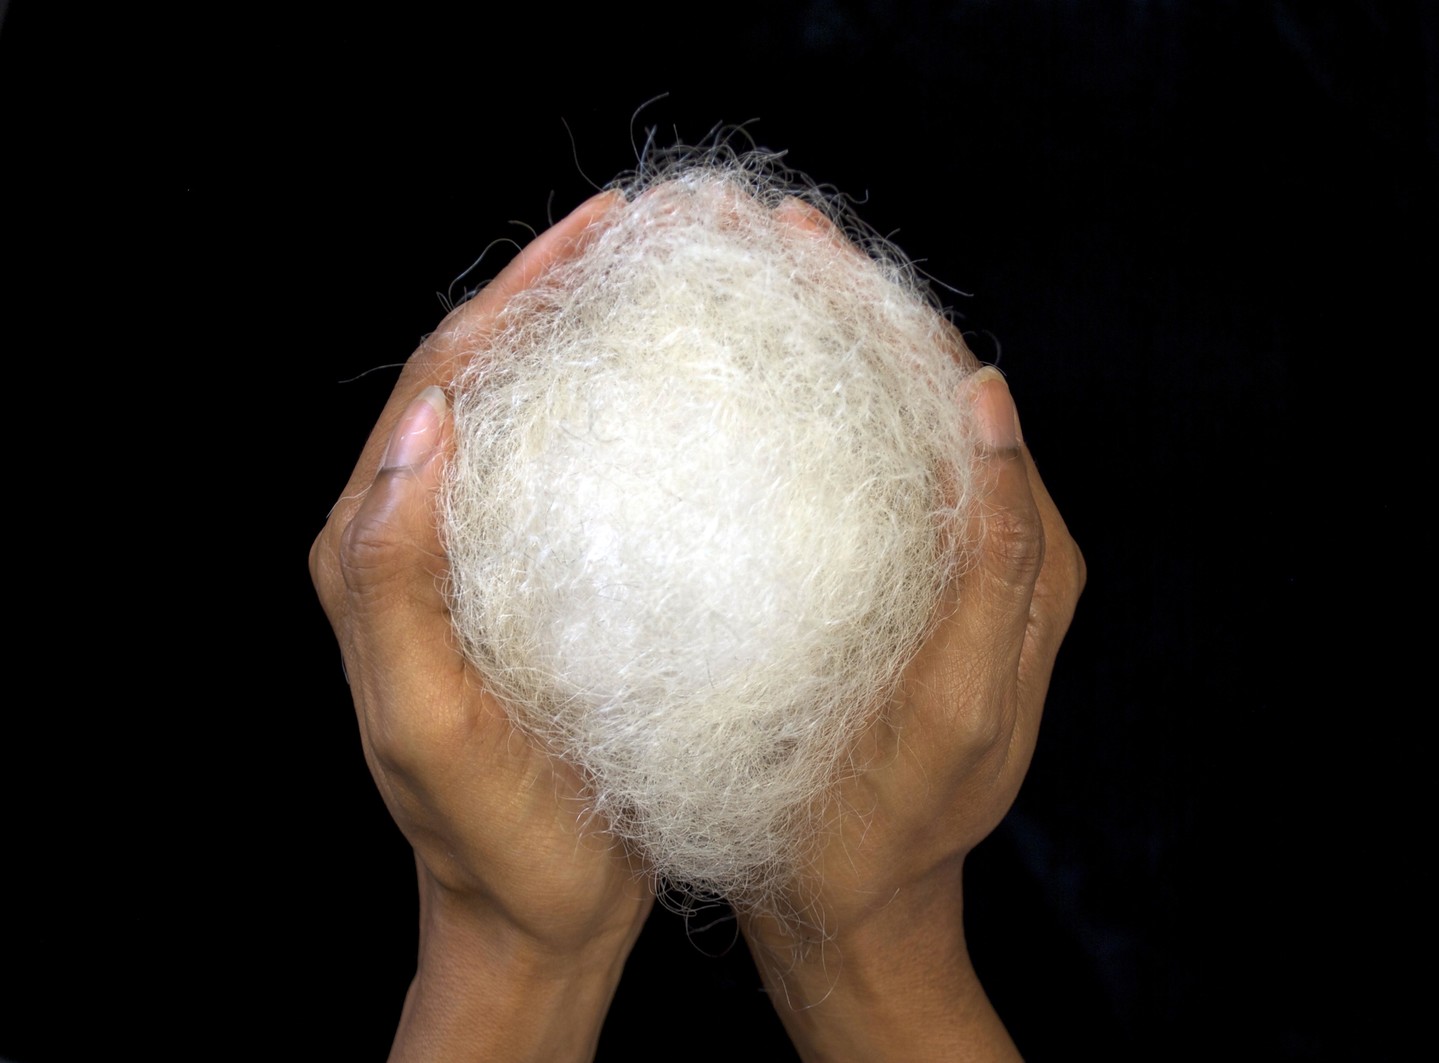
<point>1199,239</point>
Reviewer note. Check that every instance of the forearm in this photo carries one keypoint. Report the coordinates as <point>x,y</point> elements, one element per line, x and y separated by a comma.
<point>485,992</point>
<point>897,986</point>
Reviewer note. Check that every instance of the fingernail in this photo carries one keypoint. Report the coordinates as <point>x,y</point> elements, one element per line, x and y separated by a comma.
<point>998,419</point>
<point>418,431</point>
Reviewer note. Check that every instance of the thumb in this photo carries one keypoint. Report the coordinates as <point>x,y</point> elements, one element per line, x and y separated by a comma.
<point>1011,548</point>
<point>390,554</point>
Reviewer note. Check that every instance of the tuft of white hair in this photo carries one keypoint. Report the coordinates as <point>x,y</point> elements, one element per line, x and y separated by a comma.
<point>706,492</point>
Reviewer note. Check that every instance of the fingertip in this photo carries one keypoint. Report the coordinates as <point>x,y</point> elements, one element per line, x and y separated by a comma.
<point>600,204</point>
<point>995,413</point>
<point>565,238</point>
<point>576,226</point>
<point>417,435</point>
<point>794,211</point>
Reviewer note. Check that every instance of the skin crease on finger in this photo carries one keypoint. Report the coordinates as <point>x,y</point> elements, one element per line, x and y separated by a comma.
<point>712,477</point>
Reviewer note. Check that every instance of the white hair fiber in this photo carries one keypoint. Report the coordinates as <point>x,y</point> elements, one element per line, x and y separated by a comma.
<point>707,488</point>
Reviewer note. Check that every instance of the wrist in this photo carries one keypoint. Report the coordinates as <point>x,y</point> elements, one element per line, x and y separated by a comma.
<point>484,989</point>
<point>893,981</point>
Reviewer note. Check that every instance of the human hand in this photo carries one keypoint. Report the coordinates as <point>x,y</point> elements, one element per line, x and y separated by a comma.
<point>527,910</point>
<point>886,975</point>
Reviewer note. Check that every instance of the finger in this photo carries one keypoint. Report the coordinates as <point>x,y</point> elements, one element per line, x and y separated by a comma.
<point>407,680</point>
<point>390,554</point>
<point>994,609</point>
<point>390,529</point>
<point>461,334</point>
<point>560,241</point>
<point>435,362</point>
<point>1057,589</point>
<point>809,218</point>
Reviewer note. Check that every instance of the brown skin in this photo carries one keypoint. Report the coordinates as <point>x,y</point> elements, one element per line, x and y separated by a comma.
<point>528,910</point>
<point>889,977</point>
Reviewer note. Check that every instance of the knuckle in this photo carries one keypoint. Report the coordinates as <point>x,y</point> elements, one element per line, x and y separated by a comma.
<point>1079,567</point>
<point>398,751</point>
<point>364,545</point>
<point>1015,538</point>
<point>1070,571</point>
<point>412,744</point>
<point>325,575</point>
<point>1060,585</point>
<point>319,570</point>
<point>981,728</point>
<point>371,551</point>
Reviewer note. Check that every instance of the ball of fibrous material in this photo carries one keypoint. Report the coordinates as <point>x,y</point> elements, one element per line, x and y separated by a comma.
<point>709,481</point>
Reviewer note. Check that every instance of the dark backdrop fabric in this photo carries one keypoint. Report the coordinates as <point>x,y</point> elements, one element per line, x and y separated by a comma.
<point>1199,239</point>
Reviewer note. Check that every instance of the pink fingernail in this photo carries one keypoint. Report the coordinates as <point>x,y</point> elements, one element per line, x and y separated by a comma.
<point>998,419</point>
<point>418,431</point>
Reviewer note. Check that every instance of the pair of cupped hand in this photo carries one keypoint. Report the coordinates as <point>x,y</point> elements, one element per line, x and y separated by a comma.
<point>528,910</point>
